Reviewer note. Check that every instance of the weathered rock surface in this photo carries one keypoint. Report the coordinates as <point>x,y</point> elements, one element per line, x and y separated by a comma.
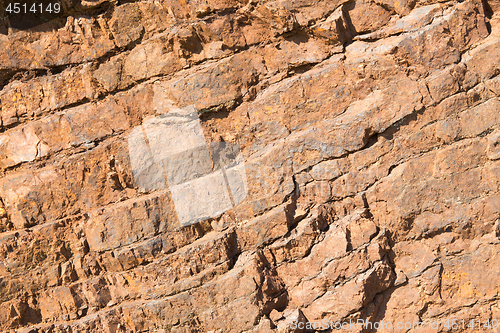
<point>370,136</point>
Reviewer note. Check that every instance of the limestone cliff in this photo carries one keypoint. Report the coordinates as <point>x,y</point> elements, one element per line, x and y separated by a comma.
<point>369,132</point>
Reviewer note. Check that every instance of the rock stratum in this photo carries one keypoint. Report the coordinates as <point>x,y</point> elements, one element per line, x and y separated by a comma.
<point>370,132</point>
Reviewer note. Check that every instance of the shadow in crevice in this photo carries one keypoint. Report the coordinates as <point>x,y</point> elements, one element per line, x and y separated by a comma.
<point>376,310</point>
<point>488,11</point>
<point>371,139</point>
<point>298,37</point>
<point>346,8</point>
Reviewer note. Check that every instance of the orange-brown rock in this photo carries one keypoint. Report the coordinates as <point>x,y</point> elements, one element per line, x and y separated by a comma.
<point>366,189</point>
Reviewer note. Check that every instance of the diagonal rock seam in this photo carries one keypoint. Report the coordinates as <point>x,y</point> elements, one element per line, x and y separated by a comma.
<point>372,163</point>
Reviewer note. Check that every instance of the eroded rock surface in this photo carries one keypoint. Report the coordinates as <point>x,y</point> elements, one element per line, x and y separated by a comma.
<point>370,136</point>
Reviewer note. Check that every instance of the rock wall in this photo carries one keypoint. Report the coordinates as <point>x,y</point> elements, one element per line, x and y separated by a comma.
<point>371,142</point>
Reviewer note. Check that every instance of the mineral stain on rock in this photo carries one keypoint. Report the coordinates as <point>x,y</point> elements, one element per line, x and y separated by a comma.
<point>329,162</point>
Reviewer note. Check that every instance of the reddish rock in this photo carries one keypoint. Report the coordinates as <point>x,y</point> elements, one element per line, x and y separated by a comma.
<point>366,16</point>
<point>369,139</point>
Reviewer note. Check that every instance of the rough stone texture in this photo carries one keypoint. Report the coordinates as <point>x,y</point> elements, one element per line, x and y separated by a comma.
<point>370,134</point>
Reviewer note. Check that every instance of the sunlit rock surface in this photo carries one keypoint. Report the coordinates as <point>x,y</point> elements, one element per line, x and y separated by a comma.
<point>329,161</point>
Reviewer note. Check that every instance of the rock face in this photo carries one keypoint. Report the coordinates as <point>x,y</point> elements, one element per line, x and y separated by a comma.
<point>367,184</point>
